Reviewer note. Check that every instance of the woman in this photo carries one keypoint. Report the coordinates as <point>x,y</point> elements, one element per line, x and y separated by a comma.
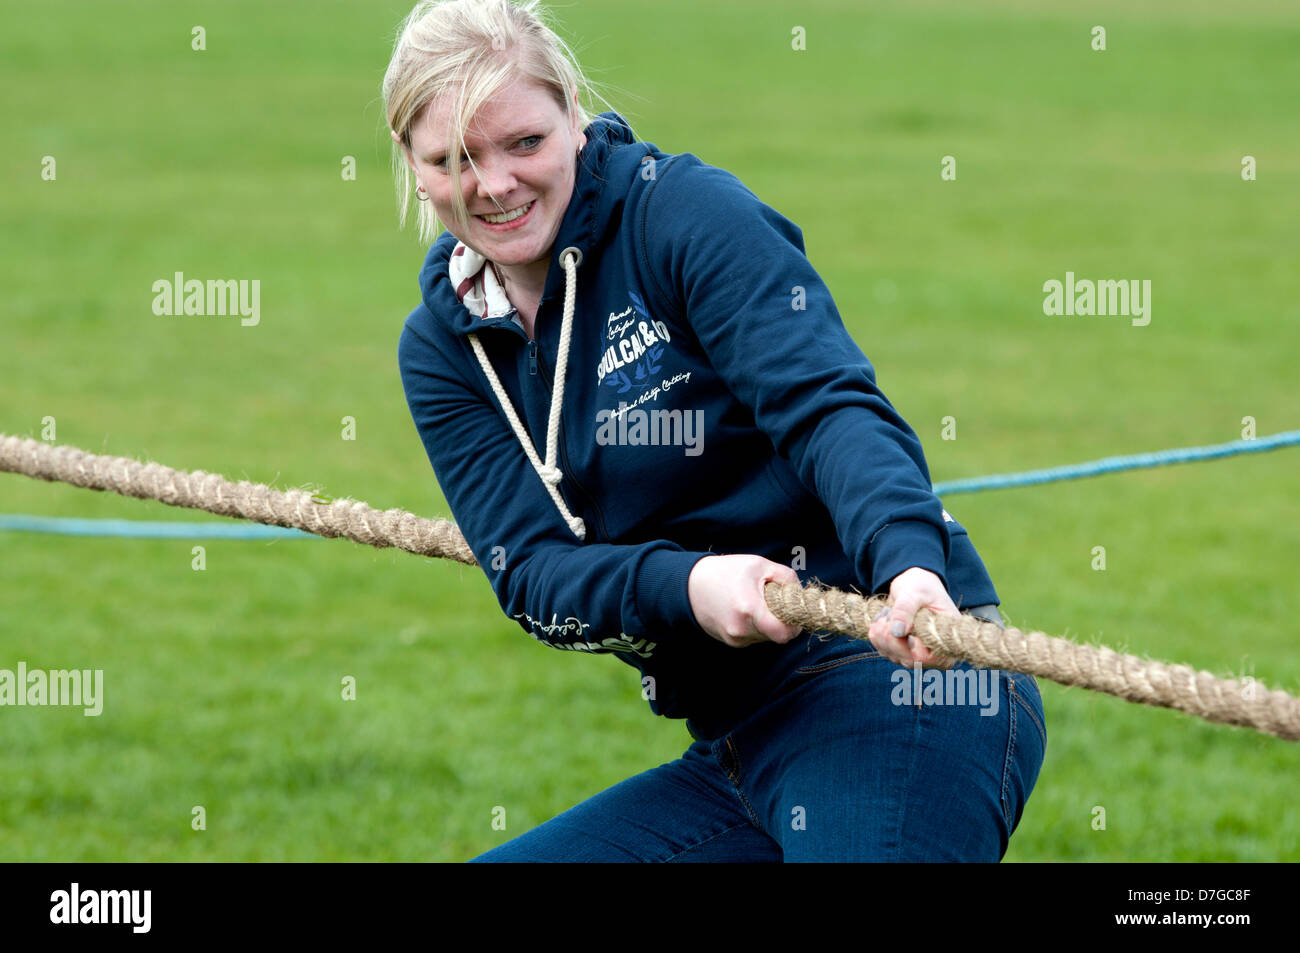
<point>641,405</point>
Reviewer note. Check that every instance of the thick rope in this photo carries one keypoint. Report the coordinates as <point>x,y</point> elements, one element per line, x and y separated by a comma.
<point>1227,701</point>
<point>198,490</point>
<point>986,644</point>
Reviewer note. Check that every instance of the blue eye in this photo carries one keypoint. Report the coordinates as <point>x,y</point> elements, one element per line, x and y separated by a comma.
<point>535,140</point>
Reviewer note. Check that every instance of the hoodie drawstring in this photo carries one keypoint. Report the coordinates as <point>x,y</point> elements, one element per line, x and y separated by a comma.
<point>549,471</point>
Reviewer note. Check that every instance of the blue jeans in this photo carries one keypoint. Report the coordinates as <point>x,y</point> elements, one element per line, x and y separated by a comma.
<point>839,763</point>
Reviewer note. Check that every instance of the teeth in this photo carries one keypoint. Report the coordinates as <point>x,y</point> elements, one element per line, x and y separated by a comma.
<point>507,216</point>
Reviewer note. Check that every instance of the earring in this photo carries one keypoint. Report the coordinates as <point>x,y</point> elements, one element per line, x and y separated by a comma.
<point>420,194</point>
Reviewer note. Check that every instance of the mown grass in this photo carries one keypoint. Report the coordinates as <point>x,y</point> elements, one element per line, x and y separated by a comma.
<point>223,686</point>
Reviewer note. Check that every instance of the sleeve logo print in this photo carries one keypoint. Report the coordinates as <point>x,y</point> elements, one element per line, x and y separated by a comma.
<point>573,626</point>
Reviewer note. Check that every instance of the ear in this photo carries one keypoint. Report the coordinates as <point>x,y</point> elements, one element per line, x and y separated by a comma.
<point>406,153</point>
<point>573,114</point>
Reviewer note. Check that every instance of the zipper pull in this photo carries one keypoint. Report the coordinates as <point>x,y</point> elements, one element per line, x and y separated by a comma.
<point>532,357</point>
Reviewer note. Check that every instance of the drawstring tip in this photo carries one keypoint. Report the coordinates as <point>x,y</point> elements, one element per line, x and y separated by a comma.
<point>579,528</point>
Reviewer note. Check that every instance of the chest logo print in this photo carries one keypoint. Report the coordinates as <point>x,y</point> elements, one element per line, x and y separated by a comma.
<point>635,348</point>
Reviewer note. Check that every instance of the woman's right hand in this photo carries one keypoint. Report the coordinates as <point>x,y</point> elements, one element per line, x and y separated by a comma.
<point>726,594</point>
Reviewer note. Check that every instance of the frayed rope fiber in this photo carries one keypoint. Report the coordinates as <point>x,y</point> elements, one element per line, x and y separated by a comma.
<point>1227,701</point>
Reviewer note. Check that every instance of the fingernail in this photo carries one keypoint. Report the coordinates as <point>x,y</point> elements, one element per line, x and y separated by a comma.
<point>880,615</point>
<point>896,629</point>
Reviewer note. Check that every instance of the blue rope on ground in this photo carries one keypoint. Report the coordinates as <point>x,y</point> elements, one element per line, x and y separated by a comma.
<point>1134,461</point>
<point>139,529</point>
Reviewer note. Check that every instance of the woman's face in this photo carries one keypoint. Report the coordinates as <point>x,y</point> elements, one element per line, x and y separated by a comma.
<point>524,149</point>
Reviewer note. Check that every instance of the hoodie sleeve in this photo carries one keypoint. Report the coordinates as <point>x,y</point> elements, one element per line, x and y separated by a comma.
<point>737,270</point>
<point>593,597</point>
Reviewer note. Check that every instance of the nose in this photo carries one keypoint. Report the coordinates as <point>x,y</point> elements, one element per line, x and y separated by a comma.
<point>496,177</point>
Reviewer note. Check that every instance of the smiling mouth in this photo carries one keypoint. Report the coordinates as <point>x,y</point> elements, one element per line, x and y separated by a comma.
<point>509,216</point>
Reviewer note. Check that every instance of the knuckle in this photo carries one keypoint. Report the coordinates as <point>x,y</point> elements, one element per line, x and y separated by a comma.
<point>734,630</point>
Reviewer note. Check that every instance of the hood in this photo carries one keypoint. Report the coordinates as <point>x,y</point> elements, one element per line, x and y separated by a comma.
<point>594,208</point>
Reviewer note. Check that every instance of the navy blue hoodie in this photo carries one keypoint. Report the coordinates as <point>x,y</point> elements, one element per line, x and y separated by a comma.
<point>760,429</point>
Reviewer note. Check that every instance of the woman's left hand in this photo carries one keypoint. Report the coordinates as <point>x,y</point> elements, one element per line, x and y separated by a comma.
<point>891,631</point>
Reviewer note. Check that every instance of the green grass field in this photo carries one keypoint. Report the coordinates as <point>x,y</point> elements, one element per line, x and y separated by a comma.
<point>223,686</point>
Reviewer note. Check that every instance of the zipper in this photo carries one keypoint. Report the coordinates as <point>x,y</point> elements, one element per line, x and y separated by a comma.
<point>532,357</point>
<point>563,453</point>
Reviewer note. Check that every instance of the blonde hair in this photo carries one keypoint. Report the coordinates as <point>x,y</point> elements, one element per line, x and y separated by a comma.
<point>471,49</point>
